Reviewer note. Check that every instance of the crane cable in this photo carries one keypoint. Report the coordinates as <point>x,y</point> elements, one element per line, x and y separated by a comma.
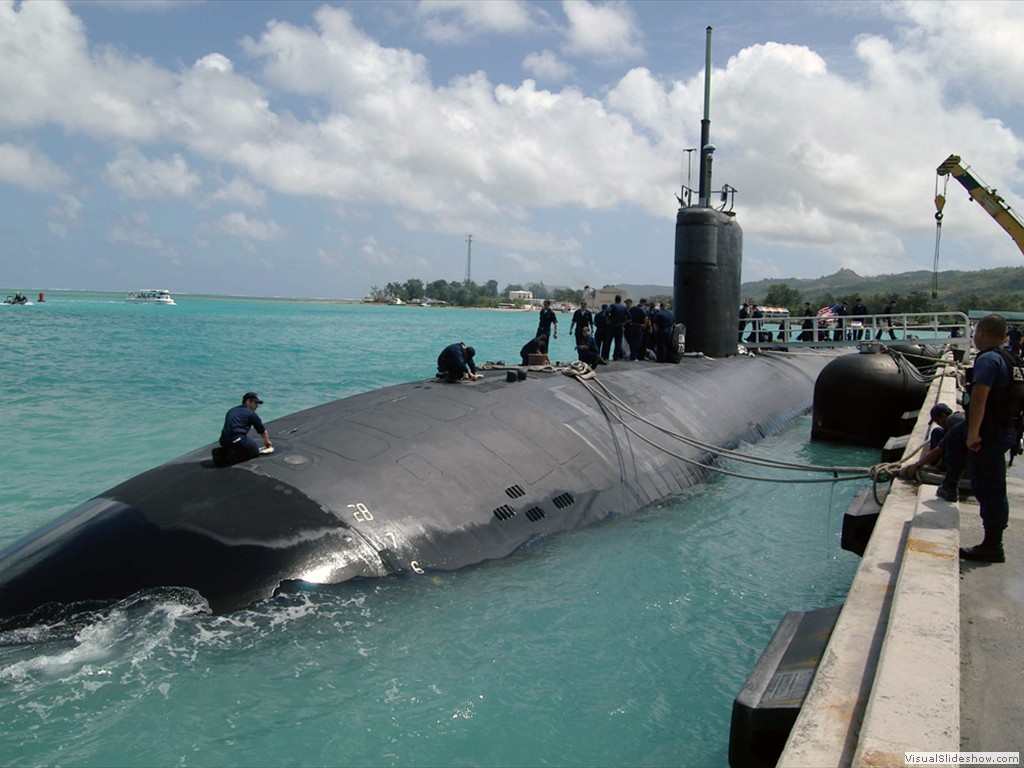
<point>940,202</point>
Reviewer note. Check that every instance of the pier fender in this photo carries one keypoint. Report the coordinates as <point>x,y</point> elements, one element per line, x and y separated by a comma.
<point>862,398</point>
<point>765,709</point>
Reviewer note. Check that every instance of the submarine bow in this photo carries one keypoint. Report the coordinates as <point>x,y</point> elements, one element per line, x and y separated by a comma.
<point>411,478</point>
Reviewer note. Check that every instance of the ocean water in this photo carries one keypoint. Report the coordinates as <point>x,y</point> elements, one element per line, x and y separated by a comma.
<point>619,644</point>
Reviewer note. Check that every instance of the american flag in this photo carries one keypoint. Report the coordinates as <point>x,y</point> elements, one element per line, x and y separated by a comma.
<point>829,313</point>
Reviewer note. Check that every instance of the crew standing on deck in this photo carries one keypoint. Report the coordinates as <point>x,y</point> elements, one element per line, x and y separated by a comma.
<point>663,322</point>
<point>617,318</point>
<point>889,311</point>
<point>547,325</point>
<point>744,314</point>
<point>859,310</point>
<point>639,328</point>
<point>601,327</point>
<point>582,321</point>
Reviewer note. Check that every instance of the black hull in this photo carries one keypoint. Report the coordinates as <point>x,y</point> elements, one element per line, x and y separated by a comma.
<point>411,478</point>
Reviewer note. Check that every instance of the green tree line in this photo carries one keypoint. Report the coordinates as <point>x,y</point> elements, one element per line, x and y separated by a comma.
<point>781,295</point>
<point>467,293</point>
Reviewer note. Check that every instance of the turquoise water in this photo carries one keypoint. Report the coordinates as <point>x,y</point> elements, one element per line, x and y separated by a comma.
<point>620,644</point>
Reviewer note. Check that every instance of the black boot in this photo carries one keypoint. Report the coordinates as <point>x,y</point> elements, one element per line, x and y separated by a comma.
<point>989,551</point>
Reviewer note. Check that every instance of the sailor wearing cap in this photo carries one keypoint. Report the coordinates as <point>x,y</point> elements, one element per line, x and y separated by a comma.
<point>234,438</point>
<point>940,414</point>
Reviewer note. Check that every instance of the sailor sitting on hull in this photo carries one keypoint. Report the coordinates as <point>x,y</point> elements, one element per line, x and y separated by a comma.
<point>235,443</point>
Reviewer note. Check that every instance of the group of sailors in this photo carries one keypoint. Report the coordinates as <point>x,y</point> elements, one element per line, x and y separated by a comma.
<point>621,330</point>
<point>815,325</point>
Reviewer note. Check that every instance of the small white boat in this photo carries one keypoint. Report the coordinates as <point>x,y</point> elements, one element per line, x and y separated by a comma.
<point>149,296</point>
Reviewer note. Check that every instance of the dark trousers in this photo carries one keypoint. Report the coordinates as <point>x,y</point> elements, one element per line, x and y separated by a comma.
<point>449,366</point>
<point>242,449</point>
<point>634,334</point>
<point>614,333</point>
<point>988,481</point>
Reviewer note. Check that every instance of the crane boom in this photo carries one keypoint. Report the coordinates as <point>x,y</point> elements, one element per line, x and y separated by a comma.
<point>990,200</point>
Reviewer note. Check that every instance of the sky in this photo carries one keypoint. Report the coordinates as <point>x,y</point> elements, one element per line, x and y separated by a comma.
<point>320,149</point>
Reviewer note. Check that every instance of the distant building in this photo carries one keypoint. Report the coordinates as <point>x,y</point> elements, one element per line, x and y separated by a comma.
<point>521,295</point>
<point>607,295</point>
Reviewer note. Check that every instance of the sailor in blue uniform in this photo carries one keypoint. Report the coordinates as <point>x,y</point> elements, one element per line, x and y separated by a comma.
<point>617,318</point>
<point>990,434</point>
<point>547,319</point>
<point>234,437</point>
<point>456,361</point>
<point>535,346</point>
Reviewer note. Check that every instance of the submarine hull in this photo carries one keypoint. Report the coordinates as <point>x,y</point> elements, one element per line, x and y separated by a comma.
<point>407,479</point>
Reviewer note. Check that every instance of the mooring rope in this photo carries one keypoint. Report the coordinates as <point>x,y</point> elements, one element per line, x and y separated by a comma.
<point>604,396</point>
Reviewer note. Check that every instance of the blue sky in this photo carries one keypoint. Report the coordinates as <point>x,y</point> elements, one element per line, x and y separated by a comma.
<point>312,149</point>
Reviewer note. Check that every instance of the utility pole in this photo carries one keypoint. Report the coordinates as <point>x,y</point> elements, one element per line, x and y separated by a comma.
<point>469,256</point>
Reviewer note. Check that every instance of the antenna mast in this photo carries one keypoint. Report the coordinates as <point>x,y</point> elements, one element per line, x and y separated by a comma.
<point>469,255</point>
<point>704,182</point>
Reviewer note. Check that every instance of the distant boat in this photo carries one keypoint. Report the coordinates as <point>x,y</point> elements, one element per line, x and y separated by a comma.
<point>149,296</point>
<point>18,300</point>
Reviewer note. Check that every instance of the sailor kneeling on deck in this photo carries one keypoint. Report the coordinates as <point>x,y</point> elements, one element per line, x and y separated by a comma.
<point>235,443</point>
<point>456,361</point>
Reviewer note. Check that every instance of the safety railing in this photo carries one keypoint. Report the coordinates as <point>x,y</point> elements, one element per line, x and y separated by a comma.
<point>941,328</point>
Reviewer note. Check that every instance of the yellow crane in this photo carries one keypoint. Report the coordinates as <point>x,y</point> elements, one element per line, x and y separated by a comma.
<point>990,200</point>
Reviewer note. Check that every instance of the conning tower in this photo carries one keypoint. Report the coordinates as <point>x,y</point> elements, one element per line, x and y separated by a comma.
<point>709,254</point>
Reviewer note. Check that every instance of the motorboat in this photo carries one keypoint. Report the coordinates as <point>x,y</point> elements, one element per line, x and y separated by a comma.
<point>149,296</point>
<point>18,300</point>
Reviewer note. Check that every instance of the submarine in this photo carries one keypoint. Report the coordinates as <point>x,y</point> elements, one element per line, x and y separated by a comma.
<point>427,475</point>
<point>407,479</point>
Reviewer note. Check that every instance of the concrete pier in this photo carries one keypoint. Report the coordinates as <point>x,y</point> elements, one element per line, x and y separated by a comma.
<point>928,651</point>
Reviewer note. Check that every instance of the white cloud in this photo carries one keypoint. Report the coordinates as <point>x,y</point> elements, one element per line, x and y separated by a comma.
<point>215,62</point>
<point>458,21</point>
<point>28,168</point>
<point>374,253</point>
<point>135,230</point>
<point>604,32</point>
<point>839,165</point>
<point>69,212</point>
<point>239,190</point>
<point>101,94</point>
<point>237,224</point>
<point>547,66</point>
<point>975,45</point>
<point>140,178</point>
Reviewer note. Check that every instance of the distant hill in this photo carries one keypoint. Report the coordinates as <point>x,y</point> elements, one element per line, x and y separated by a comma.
<point>646,291</point>
<point>1002,288</point>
